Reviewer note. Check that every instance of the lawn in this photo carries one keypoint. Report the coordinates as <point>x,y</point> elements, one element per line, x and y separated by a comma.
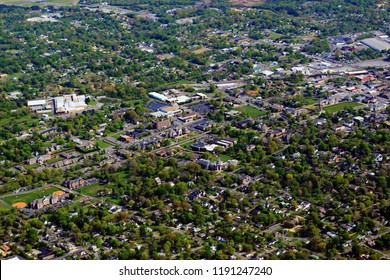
<point>222,157</point>
<point>3,208</point>
<point>305,100</point>
<point>341,106</point>
<point>187,145</point>
<point>91,190</point>
<point>92,102</point>
<point>189,136</point>
<point>28,197</point>
<point>251,112</point>
<point>102,144</point>
<point>53,160</point>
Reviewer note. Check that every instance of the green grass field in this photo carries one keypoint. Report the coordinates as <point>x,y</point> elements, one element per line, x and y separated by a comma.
<point>274,35</point>
<point>187,145</point>
<point>341,106</point>
<point>305,100</point>
<point>91,190</point>
<point>53,160</point>
<point>102,144</point>
<point>222,157</point>
<point>251,112</point>
<point>28,197</point>
<point>15,120</point>
<point>4,208</point>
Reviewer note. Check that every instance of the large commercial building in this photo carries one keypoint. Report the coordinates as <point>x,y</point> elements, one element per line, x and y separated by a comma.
<point>64,104</point>
<point>160,124</point>
<point>376,44</point>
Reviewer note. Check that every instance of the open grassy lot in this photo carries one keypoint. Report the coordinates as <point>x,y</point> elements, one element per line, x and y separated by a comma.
<point>3,208</point>
<point>102,144</point>
<point>53,160</point>
<point>341,106</point>
<point>250,111</point>
<point>305,100</point>
<point>91,190</point>
<point>187,145</point>
<point>200,51</point>
<point>24,121</point>
<point>222,157</point>
<point>28,197</point>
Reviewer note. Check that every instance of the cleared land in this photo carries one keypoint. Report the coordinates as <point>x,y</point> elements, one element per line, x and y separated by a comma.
<point>247,2</point>
<point>200,51</point>
<point>341,106</point>
<point>250,111</point>
<point>19,204</point>
<point>59,192</point>
<point>28,197</point>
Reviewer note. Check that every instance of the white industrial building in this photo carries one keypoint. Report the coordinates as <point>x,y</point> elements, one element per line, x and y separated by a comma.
<point>40,105</point>
<point>158,96</point>
<point>62,104</point>
<point>69,103</point>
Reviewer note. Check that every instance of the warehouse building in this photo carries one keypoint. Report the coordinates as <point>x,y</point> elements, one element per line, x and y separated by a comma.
<point>376,44</point>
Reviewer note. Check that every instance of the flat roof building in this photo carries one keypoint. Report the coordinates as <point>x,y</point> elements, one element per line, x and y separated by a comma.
<point>37,102</point>
<point>376,44</point>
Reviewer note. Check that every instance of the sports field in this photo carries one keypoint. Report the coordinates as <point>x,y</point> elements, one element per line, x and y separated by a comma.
<point>17,200</point>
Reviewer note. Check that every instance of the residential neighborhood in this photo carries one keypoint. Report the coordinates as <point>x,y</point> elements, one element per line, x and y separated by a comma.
<point>195,130</point>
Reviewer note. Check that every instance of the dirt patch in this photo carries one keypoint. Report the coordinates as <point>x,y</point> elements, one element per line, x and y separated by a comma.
<point>19,204</point>
<point>59,192</point>
<point>247,2</point>
<point>48,188</point>
<point>251,92</point>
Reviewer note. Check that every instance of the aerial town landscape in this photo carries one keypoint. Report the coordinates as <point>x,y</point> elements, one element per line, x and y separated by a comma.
<point>188,130</point>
